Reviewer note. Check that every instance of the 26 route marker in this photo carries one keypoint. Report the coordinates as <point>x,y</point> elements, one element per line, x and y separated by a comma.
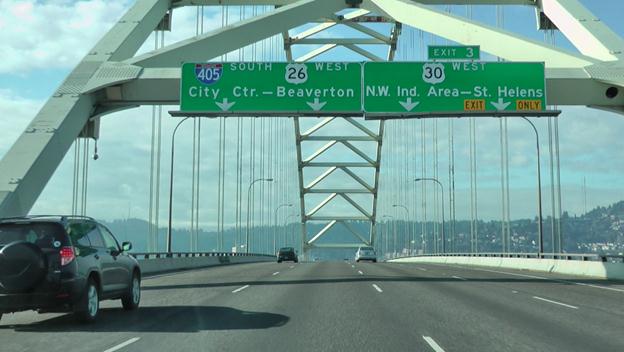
<point>458,86</point>
<point>271,87</point>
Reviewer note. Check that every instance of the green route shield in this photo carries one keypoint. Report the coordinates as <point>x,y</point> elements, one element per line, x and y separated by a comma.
<point>460,86</point>
<point>271,87</point>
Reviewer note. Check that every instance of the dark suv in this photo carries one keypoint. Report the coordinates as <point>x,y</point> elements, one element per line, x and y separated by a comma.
<point>64,263</point>
<point>286,253</point>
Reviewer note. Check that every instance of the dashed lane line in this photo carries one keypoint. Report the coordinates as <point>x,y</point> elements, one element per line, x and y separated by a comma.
<point>276,273</point>
<point>459,278</point>
<point>360,272</point>
<point>123,344</point>
<point>552,279</point>
<point>240,289</point>
<point>433,344</point>
<point>377,288</point>
<point>555,302</point>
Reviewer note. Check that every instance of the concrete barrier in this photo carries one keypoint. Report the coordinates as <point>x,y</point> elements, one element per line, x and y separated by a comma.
<point>593,269</point>
<point>160,265</point>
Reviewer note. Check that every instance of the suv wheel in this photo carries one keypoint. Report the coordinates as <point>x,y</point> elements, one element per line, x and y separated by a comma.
<point>87,308</point>
<point>132,298</point>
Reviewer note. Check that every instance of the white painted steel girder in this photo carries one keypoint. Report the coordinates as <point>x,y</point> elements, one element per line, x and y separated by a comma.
<point>495,41</point>
<point>237,35</point>
<point>565,87</point>
<point>589,34</point>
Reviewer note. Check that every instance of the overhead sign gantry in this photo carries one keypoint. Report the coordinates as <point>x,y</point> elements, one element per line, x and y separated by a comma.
<point>373,89</point>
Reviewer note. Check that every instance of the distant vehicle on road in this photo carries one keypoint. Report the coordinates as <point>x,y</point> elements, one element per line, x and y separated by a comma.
<point>287,254</point>
<point>64,263</point>
<point>366,253</point>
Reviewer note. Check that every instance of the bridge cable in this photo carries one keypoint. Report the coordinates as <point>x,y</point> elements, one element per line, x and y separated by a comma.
<point>504,143</point>
<point>555,168</point>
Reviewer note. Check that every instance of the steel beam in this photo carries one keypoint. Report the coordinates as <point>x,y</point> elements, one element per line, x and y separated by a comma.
<point>355,233</point>
<point>27,167</point>
<point>322,204</point>
<point>590,35</point>
<point>334,190</point>
<point>180,3</point>
<point>224,40</point>
<point>318,126</point>
<point>565,86</point>
<point>355,205</point>
<point>495,41</point>
<point>321,177</point>
<point>367,54</point>
<point>322,232</point>
<point>341,218</point>
<point>316,52</point>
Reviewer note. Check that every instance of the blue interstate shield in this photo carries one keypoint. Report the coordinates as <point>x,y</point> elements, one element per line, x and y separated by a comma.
<point>208,73</point>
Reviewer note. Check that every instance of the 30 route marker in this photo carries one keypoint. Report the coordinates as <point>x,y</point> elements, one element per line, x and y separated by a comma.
<point>462,87</point>
<point>271,87</point>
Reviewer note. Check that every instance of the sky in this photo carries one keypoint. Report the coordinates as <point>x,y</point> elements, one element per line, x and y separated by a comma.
<point>41,41</point>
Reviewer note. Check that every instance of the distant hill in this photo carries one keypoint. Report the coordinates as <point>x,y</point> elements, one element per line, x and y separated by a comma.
<point>601,230</point>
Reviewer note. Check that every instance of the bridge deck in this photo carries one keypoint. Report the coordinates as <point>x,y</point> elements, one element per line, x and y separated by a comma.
<point>343,306</point>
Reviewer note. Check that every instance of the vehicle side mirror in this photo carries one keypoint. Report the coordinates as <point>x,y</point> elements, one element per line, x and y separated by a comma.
<point>126,246</point>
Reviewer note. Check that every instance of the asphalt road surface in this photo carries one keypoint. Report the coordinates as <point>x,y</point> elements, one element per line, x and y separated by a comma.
<point>342,306</point>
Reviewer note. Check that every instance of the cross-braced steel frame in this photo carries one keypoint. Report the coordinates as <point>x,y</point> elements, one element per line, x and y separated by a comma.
<point>112,77</point>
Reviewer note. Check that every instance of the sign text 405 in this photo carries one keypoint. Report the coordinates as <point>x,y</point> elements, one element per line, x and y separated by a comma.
<point>208,73</point>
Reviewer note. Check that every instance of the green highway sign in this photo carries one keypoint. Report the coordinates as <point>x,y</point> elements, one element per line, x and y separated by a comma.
<point>241,87</point>
<point>460,86</point>
<point>454,52</point>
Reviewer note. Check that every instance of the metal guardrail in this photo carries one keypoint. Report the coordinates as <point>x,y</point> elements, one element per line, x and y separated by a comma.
<point>154,255</point>
<point>614,258</point>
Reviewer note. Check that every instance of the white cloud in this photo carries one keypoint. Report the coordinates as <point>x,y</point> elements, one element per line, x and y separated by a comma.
<point>52,34</point>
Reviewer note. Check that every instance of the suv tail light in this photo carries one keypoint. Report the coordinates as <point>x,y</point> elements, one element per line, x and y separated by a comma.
<point>67,255</point>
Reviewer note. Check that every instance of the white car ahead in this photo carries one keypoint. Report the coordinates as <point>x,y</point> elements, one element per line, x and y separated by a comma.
<point>366,253</point>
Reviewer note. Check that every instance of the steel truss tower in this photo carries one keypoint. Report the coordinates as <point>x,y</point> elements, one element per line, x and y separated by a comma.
<point>111,77</point>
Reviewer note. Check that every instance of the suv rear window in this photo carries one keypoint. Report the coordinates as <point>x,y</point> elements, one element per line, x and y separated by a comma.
<point>40,233</point>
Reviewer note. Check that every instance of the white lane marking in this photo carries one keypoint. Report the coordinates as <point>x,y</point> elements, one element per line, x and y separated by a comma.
<point>553,279</point>
<point>360,272</point>
<point>123,344</point>
<point>353,266</point>
<point>292,266</point>
<point>514,291</point>
<point>555,302</point>
<point>433,344</point>
<point>421,269</point>
<point>377,288</point>
<point>275,273</point>
<point>240,289</point>
<point>459,278</point>
<point>598,286</point>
